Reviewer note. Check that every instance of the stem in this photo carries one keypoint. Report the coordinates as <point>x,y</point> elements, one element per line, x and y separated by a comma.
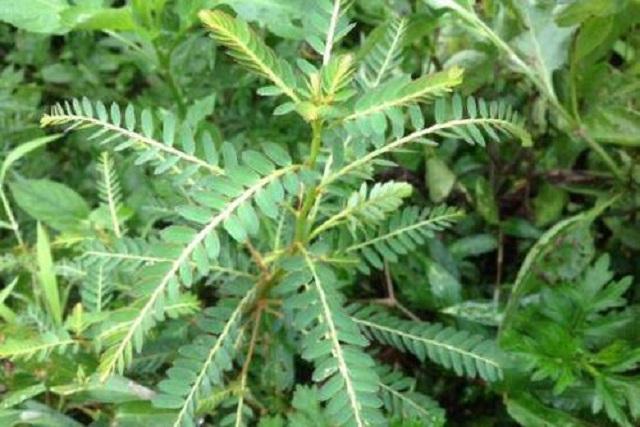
<point>544,86</point>
<point>576,129</point>
<point>257,257</point>
<point>599,150</point>
<point>573,84</point>
<point>333,24</point>
<point>11,218</point>
<point>391,294</point>
<point>177,93</point>
<point>165,71</point>
<point>247,363</point>
<point>301,222</point>
<point>573,121</point>
<point>312,193</point>
<point>331,222</point>
<point>316,143</point>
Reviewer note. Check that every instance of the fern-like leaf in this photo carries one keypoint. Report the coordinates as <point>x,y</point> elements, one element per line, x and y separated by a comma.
<point>454,120</point>
<point>384,102</point>
<point>307,410</point>
<point>325,24</point>
<point>368,207</point>
<point>493,116</point>
<point>118,127</point>
<point>382,53</point>
<point>233,211</point>
<point>97,288</point>
<point>402,234</point>
<point>129,255</point>
<point>464,353</point>
<point>250,51</point>
<point>39,348</point>
<point>110,331</point>
<point>336,77</point>
<point>202,363</point>
<point>109,191</point>
<point>403,402</point>
<point>335,345</point>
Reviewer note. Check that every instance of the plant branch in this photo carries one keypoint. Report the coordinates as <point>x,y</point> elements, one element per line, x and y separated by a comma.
<point>247,363</point>
<point>310,194</point>
<point>544,86</point>
<point>12,220</point>
<point>335,15</point>
<point>411,138</point>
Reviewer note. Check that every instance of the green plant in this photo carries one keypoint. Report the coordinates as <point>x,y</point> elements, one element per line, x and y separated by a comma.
<point>319,213</point>
<point>537,63</point>
<point>244,196</point>
<point>575,337</point>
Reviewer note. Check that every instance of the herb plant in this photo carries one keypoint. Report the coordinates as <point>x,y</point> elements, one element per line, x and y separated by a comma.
<point>245,237</point>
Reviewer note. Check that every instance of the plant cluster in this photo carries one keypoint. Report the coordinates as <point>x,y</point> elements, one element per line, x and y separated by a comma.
<point>320,213</point>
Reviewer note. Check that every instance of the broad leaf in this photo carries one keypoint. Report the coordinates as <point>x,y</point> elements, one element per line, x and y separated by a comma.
<point>543,44</point>
<point>52,203</point>
<point>279,16</point>
<point>41,16</point>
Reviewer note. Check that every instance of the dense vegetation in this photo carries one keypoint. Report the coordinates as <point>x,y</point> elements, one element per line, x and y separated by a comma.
<point>320,213</point>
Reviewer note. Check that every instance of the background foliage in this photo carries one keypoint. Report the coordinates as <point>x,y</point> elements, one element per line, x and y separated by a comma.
<point>319,212</point>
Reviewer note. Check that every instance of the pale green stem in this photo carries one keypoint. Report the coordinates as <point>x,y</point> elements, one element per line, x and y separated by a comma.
<point>12,220</point>
<point>542,85</point>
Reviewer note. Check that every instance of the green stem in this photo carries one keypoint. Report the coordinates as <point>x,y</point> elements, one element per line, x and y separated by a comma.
<point>311,193</point>
<point>576,129</point>
<point>301,222</point>
<point>600,151</point>
<point>12,220</point>
<point>177,93</point>
<point>316,143</point>
<point>573,90</point>
<point>165,71</point>
<point>543,86</point>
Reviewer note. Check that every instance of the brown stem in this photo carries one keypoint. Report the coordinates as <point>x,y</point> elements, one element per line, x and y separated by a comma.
<point>247,363</point>
<point>391,295</point>
<point>257,258</point>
